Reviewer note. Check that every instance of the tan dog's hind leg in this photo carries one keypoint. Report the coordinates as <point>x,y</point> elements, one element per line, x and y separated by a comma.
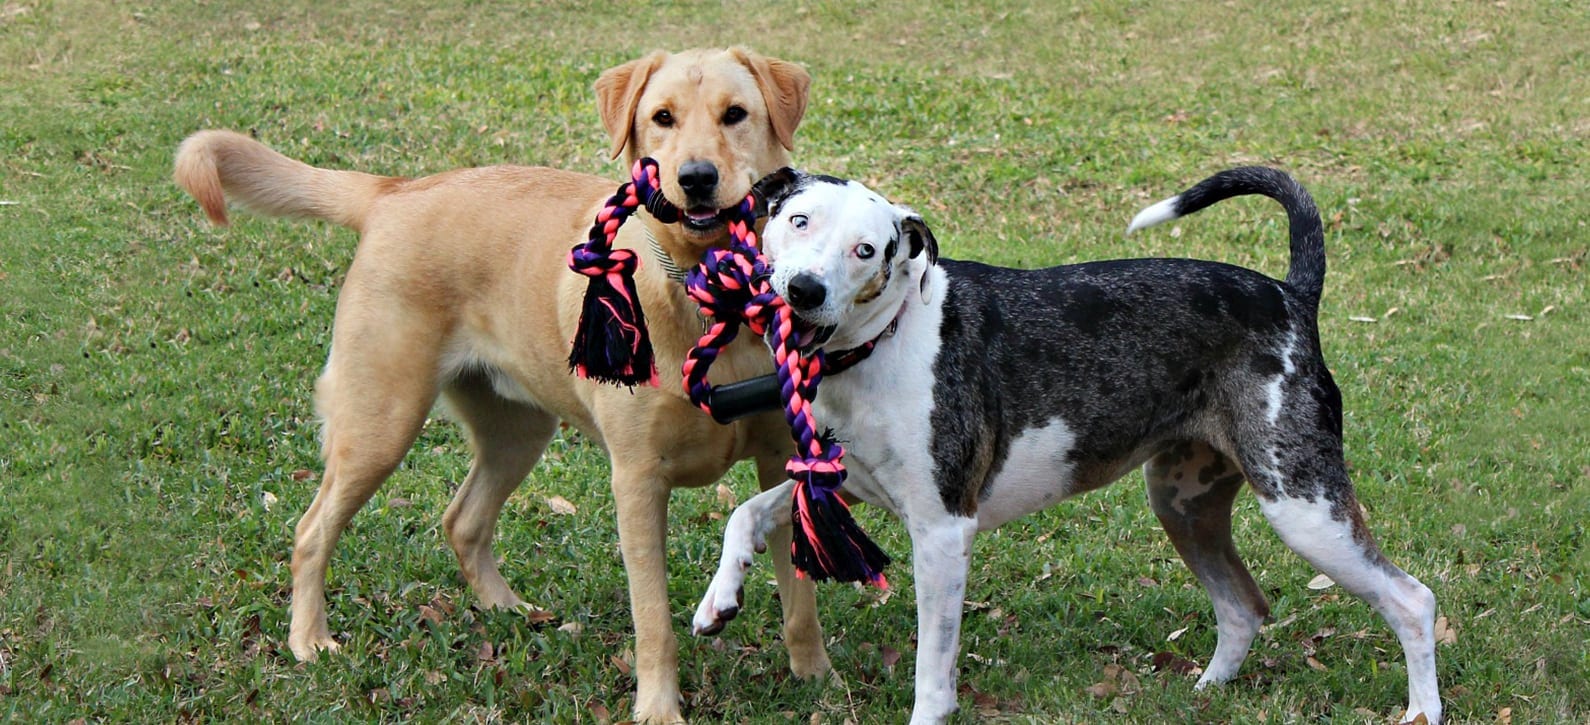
<point>508,438</point>
<point>642,505</point>
<point>374,406</point>
<point>803,634</point>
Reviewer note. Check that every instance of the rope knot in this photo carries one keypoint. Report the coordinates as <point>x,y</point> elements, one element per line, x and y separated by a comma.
<point>592,264</point>
<point>611,343</point>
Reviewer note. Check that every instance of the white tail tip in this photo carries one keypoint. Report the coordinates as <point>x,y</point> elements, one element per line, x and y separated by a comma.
<point>1157,214</point>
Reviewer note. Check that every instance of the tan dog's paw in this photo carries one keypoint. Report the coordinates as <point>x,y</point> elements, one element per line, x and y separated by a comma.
<point>308,648</point>
<point>811,665</point>
<point>660,713</point>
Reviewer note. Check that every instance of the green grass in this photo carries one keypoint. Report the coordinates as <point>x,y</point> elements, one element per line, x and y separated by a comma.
<point>157,372</point>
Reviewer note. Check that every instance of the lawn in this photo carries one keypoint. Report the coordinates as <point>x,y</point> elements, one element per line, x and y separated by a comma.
<point>157,440</point>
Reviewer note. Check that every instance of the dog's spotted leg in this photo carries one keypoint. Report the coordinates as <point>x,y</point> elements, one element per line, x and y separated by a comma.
<point>1331,535</point>
<point>508,438</point>
<point>1192,488</point>
<point>941,550</point>
<point>745,535</point>
<point>642,506</point>
<point>1300,477</point>
<point>803,634</point>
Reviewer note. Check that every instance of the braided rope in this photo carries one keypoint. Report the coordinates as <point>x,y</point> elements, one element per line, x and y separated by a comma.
<point>733,287</point>
<point>611,343</point>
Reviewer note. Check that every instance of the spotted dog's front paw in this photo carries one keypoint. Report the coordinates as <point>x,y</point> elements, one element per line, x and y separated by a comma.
<point>724,596</point>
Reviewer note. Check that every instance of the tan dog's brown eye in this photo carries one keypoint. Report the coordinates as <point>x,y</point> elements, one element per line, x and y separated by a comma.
<point>663,118</point>
<point>865,251</point>
<point>734,115</point>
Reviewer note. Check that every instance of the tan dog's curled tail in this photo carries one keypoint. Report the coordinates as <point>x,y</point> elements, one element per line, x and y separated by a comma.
<point>212,165</point>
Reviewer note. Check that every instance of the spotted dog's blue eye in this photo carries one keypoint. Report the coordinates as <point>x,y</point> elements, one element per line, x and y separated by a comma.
<point>865,251</point>
<point>798,221</point>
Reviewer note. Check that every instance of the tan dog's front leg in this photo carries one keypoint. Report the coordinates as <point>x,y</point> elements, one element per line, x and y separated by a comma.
<point>803,634</point>
<point>642,503</point>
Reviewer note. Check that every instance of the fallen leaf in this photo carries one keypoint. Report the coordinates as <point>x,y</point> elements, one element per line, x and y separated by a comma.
<point>1173,662</point>
<point>1445,633</point>
<point>1320,582</point>
<point>1173,636</point>
<point>486,652</point>
<point>302,474</point>
<point>1316,664</point>
<point>600,713</point>
<point>267,500</point>
<point>1101,689</point>
<point>429,613</point>
<point>726,496</point>
<point>561,506</point>
<point>539,616</point>
<point>572,628</point>
<point>890,655</point>
<point>1505,716</point>
<point>1129,683</point>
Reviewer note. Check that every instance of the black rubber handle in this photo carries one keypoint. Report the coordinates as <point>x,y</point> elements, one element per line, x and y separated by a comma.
<point>736,400</point>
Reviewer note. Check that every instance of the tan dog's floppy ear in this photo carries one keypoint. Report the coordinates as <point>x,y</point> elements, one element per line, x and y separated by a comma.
<point>784,87</point>
<point>617,91</point>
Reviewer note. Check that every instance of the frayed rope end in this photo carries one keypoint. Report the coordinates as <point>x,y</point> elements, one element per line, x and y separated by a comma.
<point>828,543</point>
<point>611,344</point>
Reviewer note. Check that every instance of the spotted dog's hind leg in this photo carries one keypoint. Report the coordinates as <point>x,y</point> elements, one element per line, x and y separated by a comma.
<point>1191,488</point>
<point>1300,477</point>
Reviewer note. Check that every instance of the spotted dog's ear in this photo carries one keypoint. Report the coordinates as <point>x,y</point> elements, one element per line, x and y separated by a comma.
<point>773,189</point>
<point>918,237</point>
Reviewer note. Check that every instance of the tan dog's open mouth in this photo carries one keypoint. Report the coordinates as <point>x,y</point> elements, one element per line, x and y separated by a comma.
<point>705,219</point>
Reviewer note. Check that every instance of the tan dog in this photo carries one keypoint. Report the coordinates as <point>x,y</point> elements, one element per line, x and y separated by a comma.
<point>460,288</point>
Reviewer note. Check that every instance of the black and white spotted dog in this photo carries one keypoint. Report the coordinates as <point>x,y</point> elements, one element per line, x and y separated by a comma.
<point>992,393</point>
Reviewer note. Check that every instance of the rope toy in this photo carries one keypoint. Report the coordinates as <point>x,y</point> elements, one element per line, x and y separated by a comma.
<point>611,344</point>
<point>733,287</point>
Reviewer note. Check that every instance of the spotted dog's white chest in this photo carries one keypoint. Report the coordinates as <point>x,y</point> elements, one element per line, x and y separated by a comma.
<point>881,411</point>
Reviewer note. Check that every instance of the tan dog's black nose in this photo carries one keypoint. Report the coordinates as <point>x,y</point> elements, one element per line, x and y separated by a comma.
<point>699,179</point>
<point>806,292</point>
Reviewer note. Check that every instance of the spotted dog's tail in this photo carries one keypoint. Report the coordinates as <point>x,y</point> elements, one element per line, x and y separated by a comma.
<point>1306,276</point>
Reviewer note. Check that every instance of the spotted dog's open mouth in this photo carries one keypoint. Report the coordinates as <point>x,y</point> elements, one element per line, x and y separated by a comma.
<point>808,336</point>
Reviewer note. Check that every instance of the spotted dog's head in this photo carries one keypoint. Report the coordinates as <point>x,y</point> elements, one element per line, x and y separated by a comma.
<point>844,258</point>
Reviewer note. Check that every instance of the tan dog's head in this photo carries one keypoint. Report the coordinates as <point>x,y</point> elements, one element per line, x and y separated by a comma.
<point>716,121</point>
